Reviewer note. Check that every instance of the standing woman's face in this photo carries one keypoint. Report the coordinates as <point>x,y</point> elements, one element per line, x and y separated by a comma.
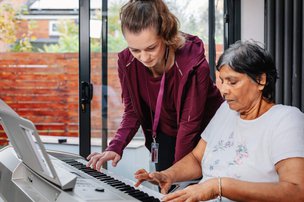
<point>146,46</point>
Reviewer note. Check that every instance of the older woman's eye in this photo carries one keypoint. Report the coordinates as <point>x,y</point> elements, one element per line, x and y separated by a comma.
<point>233,82</point>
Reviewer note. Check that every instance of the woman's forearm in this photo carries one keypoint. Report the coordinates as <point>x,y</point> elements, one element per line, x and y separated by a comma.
<point>250,191</point>
<point>187,168</point>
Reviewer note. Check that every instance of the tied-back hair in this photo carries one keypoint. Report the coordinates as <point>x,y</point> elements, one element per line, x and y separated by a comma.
<point>137,15</point>
<point>249,58</point>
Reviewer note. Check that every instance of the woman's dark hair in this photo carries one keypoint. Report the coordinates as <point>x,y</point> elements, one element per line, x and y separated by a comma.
<point>249,58</point>
<point>137,15</point>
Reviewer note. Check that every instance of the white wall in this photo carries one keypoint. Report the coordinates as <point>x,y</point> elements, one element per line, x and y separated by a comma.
<point>252,20</point>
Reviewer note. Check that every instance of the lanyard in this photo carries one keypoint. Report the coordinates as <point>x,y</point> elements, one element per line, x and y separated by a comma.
<point>159,98</point>
<point>158,106</point>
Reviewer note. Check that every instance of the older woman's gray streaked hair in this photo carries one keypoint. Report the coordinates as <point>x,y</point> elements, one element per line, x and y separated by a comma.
<point>249,58</point>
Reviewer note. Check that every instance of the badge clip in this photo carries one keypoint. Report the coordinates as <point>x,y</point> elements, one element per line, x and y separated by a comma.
<point>154,152</point>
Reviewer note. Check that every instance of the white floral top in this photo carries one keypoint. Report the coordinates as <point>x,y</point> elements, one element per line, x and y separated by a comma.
<point>249,149</point>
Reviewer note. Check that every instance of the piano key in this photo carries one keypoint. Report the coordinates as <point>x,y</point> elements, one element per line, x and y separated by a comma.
<point>136,193</point>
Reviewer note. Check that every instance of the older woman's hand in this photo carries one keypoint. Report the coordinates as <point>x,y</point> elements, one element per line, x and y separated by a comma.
<point>158,178</point>
<point>198,192</point>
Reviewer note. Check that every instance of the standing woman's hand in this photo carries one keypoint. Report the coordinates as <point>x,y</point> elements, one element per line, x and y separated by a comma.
<point>158,178</point>
<point>97,159</point>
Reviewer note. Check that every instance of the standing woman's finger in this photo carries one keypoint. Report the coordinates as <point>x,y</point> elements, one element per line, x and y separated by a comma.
<point>92,154</point>
<point>115,161</point>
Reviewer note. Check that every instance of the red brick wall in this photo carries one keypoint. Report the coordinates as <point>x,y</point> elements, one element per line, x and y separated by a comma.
<point>40,29</point>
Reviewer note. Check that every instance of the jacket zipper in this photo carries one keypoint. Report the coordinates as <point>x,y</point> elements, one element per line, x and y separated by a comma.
<point>179,70</point>
<point>200,61</point>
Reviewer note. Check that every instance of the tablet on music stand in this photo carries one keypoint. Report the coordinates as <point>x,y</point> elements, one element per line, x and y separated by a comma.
<point>27,144</point>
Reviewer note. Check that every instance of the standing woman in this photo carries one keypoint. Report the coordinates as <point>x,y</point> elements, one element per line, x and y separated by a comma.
<point>166,87</point>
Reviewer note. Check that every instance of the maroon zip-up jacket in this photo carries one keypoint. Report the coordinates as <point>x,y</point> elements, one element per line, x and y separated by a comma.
<point>196,102</point>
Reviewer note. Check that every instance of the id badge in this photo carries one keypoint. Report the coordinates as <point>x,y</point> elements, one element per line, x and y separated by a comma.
<point>154,152</point>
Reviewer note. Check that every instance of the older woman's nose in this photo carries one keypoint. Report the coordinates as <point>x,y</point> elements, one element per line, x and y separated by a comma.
<point>224,89</point>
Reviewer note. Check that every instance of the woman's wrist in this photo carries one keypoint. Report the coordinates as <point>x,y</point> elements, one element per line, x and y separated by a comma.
<point>219,188</point>
<point>169,174</point>
<point>216,191</point>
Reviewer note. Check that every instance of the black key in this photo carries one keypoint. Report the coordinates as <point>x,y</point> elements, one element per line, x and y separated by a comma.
<point>118,184</point>
<point>128,188</point>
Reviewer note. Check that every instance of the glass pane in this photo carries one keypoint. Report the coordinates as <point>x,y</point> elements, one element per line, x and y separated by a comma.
<point>116,43</point>
<point>219,33</point>
<point>219,27</point>
<point>192,15</point>
<point>39,64</point>
<point>113,96</point>
<point>95,37</point>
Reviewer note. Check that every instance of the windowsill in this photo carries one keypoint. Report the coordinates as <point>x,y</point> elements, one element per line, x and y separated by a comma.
<point>74,141</point>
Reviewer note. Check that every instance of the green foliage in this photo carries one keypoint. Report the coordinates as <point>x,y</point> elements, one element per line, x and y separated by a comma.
<point>116,41</point>
<point>68,40</point>
<point>116,44</point>
<point>9,23</point>
<point>23,44</point>
<point>196,22</point>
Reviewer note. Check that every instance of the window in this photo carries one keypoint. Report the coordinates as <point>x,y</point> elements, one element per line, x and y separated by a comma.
<point>53,28</point>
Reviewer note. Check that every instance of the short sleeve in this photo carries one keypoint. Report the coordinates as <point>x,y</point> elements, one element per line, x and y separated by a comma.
<point>288,136</point>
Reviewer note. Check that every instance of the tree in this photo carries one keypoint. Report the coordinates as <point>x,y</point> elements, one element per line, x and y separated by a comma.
<point>193,16</point>
<point>9,23</point>
<point>116,40</point>
<point>68,40</point>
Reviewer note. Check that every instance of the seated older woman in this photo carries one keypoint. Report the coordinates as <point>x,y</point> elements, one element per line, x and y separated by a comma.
<point>253,149</point>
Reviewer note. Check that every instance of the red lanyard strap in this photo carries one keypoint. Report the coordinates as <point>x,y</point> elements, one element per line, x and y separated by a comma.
<point>158,105</point>
<point>159,98</point>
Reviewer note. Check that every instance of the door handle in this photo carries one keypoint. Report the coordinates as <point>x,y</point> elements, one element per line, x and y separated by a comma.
<point>86,94</point>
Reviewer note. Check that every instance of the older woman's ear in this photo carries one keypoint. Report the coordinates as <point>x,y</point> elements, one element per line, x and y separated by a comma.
<point>262,81</point>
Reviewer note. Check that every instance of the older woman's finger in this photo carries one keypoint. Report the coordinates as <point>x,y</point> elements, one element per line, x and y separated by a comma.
<point>178,195</point>
<point>140,171</point>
